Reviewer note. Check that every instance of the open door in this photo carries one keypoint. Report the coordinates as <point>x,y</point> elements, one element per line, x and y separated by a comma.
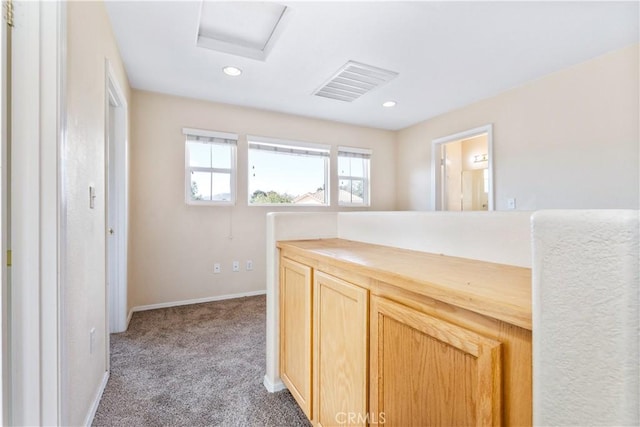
<point>117,204</point>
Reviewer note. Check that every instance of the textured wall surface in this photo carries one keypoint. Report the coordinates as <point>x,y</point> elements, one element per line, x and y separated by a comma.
<point>89,42</point>
<point>585,317</point>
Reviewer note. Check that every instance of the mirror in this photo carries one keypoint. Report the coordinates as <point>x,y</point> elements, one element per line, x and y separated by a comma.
<point>462,171</point>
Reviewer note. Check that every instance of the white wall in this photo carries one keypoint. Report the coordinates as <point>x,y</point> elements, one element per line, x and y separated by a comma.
<point>585,318</point>
<point>89,41</point>
<point>568,140</point>
<point>500,237</point>
<point>174,245</point>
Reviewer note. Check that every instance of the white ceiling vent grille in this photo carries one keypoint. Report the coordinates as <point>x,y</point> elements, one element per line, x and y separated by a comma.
<point>353,80</point>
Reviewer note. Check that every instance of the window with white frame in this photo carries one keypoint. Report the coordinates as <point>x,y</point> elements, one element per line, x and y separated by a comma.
<point>353,176</point>
<point>210,167</point>
<point>287,172</point>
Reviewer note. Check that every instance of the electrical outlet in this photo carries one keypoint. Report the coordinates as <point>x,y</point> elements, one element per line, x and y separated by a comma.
<point>511,203</point>
<point>236,265</point>
<point>249,265</point>
<point>216,268</point>
<point>92,340</point>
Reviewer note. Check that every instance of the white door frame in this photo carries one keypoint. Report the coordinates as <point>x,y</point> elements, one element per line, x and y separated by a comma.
<point>436,176</point>
<point>37,225</point>
<point>117,316</point>
<point>5,372</point>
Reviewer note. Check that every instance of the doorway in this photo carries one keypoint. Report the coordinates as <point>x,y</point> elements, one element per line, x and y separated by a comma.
<point>462,171</point>
<point>117,204</point>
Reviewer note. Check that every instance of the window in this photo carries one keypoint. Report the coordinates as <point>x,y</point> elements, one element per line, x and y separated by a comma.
<point>210,170</point>
<point>292,173</point>
<point>353,176</point>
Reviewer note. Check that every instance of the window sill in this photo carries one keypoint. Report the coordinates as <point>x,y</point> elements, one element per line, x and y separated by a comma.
<point>286,205</point>
<point>208,203</point>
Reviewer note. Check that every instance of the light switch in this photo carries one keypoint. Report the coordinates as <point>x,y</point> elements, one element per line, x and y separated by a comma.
<point>92,197</point>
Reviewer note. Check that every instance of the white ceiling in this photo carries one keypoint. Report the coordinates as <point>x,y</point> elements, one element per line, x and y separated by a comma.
<point>447,54</point>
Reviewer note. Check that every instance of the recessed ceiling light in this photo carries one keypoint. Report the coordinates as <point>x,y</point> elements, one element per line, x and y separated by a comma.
<point>232,71</point>
<point>389,104</point>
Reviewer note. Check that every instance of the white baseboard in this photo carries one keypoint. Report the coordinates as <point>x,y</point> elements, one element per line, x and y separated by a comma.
<point>196,301</point>
<point>96,402</point>
<point>128,319</point>
<point>272,387</point>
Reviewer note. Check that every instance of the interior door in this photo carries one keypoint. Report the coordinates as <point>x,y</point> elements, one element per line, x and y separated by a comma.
<point>112,209</point>
<point>474,194</point>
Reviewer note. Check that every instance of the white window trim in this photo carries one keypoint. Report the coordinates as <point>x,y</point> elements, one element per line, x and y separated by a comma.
<point>366,184</point>
<point>232,171</point>
<point>285,142</point>
<point>209,133</point>
<point>301,144</point>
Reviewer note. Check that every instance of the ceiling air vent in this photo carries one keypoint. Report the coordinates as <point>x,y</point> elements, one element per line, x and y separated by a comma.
<point>354,80</point>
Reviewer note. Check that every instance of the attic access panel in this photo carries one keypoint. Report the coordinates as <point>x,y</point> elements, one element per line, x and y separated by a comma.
<point>247,29</point>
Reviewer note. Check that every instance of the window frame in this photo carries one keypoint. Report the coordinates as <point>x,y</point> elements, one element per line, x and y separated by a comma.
<point>232,171</point>
<point>364,153</point>
<point>325,148</point>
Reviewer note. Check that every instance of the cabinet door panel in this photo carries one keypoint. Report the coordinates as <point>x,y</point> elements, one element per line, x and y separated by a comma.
<point>428,372</point>
<point>340,341</point>
<point>295,331</point>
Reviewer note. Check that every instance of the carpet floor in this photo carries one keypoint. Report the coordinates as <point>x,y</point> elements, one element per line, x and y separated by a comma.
<point>195,365</point>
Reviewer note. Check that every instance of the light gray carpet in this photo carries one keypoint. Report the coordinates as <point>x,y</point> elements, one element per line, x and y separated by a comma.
<point>196,365</point>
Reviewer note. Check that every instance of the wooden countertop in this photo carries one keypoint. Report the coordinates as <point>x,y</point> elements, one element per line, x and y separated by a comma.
<point>499,291</point>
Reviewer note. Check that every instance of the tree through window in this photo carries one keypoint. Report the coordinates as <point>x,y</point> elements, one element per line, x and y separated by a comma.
<point>283,172</point>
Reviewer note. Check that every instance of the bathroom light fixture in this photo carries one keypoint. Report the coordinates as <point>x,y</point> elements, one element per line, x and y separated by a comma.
<point>479,158</point>
<point>389,104</point>
<point>232,71</point>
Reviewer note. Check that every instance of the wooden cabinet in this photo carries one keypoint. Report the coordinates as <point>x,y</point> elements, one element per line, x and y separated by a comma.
<point>295,331</point>
<point>372,335</point>
<point>429,372</point>
<point>340,352</point>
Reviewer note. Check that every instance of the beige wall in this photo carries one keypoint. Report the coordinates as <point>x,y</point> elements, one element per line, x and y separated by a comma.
<point>174,245</point>
<point>568,140</point>
<point>89,42</point>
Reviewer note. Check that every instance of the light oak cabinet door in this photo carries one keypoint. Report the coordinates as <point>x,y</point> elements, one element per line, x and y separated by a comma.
<point>340,352</point>
<point>295,331</point>
<point>429,372</point>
